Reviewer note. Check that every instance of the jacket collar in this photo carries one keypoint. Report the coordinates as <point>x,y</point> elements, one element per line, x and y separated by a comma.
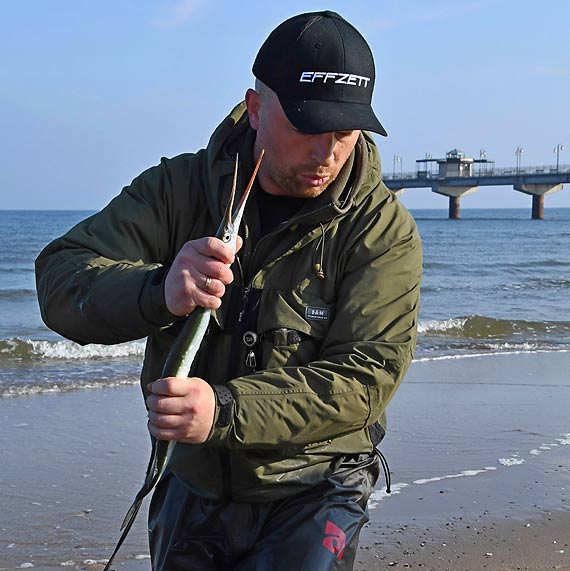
<point>234,135</point>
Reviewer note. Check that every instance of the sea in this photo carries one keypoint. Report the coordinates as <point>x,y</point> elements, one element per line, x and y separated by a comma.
<point>494,282</point>
<point>492,360</point>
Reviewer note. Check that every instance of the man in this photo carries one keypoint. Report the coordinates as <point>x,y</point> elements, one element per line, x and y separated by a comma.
<point>314,321</point>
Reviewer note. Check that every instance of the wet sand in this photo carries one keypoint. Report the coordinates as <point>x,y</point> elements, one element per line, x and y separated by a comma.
<point>479,451</point>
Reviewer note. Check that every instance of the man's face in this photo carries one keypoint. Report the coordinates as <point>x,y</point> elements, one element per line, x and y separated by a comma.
<point>295,163</point>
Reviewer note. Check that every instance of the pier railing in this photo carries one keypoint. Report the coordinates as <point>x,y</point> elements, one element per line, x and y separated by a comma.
<point>484,171</point>
<point>536,181</point>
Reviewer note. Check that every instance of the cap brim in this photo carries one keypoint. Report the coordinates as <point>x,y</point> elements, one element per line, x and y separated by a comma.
<point>312,117</point>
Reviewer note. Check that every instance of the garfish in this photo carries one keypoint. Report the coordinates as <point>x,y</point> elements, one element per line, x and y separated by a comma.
<point>181,357</point>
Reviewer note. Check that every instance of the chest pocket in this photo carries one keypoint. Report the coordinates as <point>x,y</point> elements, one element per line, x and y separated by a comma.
<point>292,326</point>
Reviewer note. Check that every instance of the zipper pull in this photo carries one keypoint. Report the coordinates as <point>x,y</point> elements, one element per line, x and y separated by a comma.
<point>250,360</point>
<point>250,339</point>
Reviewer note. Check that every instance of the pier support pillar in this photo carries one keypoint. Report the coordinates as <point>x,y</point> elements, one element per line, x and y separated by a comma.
<point>538,191</point>
<point>454,207</point>
<point>454,193</point>
<point>538,206</point>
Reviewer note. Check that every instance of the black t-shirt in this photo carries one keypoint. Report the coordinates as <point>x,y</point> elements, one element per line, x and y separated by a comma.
<point>276,209</point>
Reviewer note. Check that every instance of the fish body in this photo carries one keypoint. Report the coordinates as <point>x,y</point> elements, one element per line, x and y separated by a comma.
<point>181,356</point>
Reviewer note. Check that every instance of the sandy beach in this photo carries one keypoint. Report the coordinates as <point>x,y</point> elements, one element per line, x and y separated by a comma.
<point>479,450</point>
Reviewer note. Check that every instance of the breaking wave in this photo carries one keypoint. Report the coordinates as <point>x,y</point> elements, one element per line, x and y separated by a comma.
<point>480,327</point>
<point>29,350</point>
<point>480,335</point>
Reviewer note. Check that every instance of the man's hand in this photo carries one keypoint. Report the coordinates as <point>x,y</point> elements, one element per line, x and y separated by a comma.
<point>199,275</point>
<point>181,409</point>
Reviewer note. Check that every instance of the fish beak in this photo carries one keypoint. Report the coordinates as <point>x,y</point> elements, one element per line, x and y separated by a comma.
<point>231,221</point>
<point>228,213</point>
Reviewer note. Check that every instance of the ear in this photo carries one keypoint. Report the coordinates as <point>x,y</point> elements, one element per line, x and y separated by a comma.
<point>253,104</point>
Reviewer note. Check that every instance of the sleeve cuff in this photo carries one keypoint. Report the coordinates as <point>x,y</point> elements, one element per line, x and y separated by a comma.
<point>223,416</point>
<point>152,300</point>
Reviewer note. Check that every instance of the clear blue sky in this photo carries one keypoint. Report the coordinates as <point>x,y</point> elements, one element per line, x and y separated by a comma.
<point>93,92</point>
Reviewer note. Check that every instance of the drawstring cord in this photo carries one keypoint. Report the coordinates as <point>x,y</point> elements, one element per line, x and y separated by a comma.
<point>320,244</point>
<point>318,267</point>
<point>386,469</point>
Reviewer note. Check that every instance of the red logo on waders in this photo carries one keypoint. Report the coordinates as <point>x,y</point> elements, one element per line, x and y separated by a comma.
<point>335,540</point>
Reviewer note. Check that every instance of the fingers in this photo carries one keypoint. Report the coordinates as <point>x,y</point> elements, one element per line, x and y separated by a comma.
<point>198,276</point>
<point>168,409</point>
<point>209,286</point>
<point>214,248</point>
<point>171,387</point>
<point>207,257</point>
<point>164,421</point>
<point>181,409</point>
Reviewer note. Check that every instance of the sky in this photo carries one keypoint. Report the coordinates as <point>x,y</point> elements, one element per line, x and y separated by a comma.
<point>94,92</point>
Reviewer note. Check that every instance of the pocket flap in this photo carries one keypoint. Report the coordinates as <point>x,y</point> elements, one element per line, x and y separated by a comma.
<point>291,310</point>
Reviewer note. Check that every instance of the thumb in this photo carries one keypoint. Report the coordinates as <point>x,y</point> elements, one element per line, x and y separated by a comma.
<point>239,243</point>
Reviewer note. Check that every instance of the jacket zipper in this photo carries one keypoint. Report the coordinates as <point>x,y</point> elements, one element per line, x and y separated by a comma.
<point>250,360</point>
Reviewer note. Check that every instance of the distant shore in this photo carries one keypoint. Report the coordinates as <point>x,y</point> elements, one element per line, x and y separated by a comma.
<point>478,450</point>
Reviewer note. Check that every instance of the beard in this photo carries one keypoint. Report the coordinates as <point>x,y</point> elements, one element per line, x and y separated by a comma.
<point>290,182</point>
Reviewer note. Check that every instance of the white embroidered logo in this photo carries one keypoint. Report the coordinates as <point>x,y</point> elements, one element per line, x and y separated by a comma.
<point>343,78</point>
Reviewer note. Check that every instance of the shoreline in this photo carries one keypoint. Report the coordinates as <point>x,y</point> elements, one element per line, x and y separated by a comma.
<point>478,449</point>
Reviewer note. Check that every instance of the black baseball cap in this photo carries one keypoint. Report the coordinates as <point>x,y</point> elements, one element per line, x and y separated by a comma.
<point>322,70</point>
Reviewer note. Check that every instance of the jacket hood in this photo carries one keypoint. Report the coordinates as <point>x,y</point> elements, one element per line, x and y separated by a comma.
<point>359,176</point>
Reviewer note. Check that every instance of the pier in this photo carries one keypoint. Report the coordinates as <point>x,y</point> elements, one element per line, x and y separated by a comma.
<point>456,176</point>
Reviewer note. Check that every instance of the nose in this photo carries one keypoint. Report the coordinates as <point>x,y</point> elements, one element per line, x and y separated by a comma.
<point>323,147</point>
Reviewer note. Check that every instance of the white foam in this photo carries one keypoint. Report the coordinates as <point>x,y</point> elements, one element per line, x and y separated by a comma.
<point>69,350</point>
<point>462,474</point>
<point>564,441</point>
<point>441,324</point>
<point>489,354</point>
<point>534,452</point>
<point>511,461</point>
<point>31,390</point>
<point>379,495</point>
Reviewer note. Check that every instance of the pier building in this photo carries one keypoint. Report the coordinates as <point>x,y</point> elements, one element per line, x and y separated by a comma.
<point>456,176</point>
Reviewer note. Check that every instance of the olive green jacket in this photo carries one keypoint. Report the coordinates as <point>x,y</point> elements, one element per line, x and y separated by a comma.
<point>330,352</point>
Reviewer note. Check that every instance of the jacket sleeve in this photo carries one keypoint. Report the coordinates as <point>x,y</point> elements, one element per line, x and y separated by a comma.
<point>364,357</point>
<point>102,282</point>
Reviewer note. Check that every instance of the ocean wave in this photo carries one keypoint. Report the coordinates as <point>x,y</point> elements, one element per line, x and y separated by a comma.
<point>527,266</point>
<point>540,284</point>
<point>500,350</point>
<point>437,265</point>
<point>34,389</point>
<point>441,325</point>
<point>481,327</point>
<point>39,350</point>
<point>17,294</point>
<point>15,268</point>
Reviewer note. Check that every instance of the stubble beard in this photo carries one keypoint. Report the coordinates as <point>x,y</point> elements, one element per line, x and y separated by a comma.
<point>286,180</point>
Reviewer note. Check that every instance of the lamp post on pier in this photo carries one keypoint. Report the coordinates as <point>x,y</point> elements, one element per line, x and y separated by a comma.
<point>397,159</point>
<point>557,150</point>
<point>428,159</point>
<point>482,157</point>
<point>518,154</point>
